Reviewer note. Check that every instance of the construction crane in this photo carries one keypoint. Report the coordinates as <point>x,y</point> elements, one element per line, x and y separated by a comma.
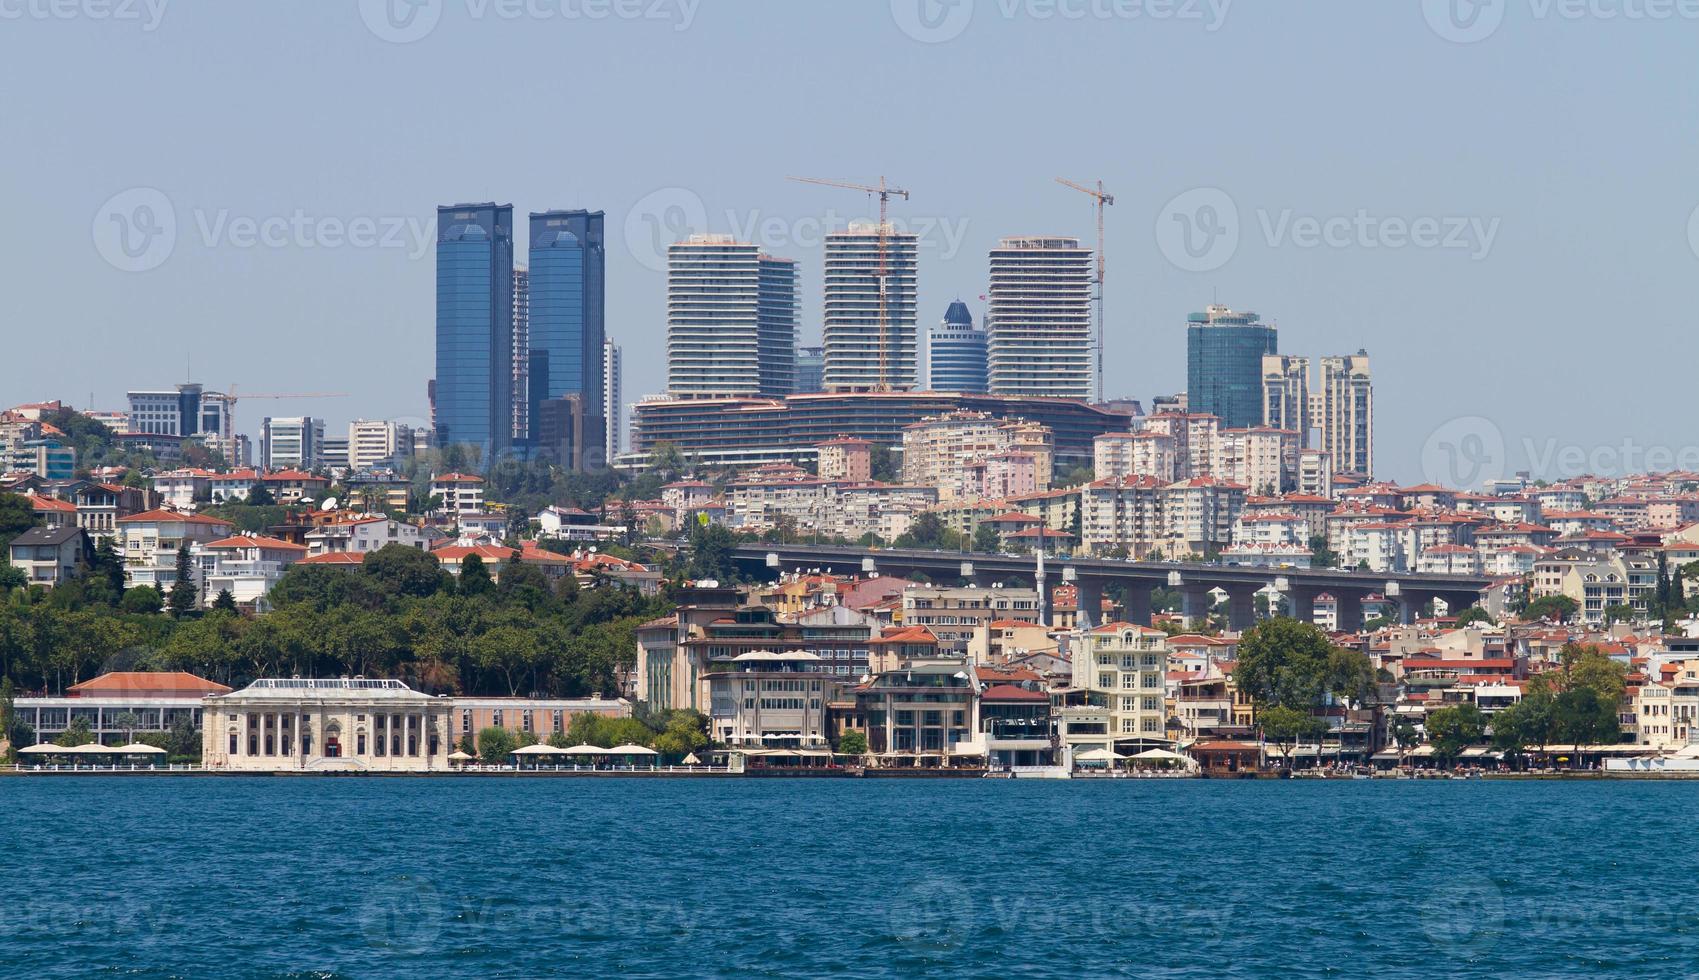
<point>230,395</point>
<point>1101,197</point>
<point>884,191</point>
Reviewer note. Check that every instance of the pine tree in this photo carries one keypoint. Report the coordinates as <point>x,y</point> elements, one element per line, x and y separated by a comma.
<point>224,600</point>
<point>183,591</point>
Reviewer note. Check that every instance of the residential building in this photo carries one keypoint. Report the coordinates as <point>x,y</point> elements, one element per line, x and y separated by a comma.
<point>846,459</point>
<point>539,717</point>
<point>1286,393</point>
<point>47,458</point>
<point>753,431</point>
<point>326,725</point>
<point>765,699</point>
<point>183,489</point>
<point>956,353</point>
<point>731,319</point>
<point>1122,674</point>
<point>810,370</point>
<point>1198,515</point>
<point>473,388</point>
<point>49,556</point>
<point>566,329</point>
<point>1224,364</point>
<point>939,452</point>
<point>1347,414</point>
<point>922,715</point>
<point>291,443</point>
<point>458,493</point>
<point>953,613</point>
<point>377,444</point>
<point>1122,513</point>
<point>360,534</point>
<point>149,542</point>
<point>613,398</point>
<point>870,309</point>
<point>246,566</point>
<point>1039,323</point>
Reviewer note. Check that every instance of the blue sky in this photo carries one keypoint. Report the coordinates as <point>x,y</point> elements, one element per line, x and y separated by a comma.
<point>1496,200</point>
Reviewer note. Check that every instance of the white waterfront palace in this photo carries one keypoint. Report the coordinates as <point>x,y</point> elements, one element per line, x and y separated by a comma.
<point>326,725</point>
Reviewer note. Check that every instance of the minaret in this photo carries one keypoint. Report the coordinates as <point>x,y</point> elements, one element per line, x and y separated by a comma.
<point>1038,578</point>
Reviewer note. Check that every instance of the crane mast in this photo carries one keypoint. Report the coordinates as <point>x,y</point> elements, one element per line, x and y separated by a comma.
<point>1100,197</point>
<point>885,192</point>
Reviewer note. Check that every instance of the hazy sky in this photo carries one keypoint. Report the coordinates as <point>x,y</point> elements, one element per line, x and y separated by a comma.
<point>1497,200</point>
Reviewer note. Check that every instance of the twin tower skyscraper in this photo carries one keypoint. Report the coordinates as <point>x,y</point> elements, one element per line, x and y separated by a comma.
<point>520,354</point>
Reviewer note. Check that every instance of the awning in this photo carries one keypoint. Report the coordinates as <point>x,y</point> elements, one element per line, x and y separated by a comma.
<point>1479,752</point>
<point>1098,755</point>
<point>458,756</point>
<point>138,748</point>
<point>629,749</point>
<point>584,750</point>
<point>538,749</point>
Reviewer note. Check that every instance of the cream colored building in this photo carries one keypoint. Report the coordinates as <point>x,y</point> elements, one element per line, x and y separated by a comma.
<point>937,451</point>
<point>1123,671</point>
<point>326,725</point>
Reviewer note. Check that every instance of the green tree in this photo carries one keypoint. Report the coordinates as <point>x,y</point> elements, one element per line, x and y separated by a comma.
<point>107,571</point>
<point>1285,727</point>
<point>401,570</point>
<point>129,721</point>
<point>986,539</point>
<point>1283,662</point>
<point>183,742</point>
<point>1558,608</point>
<point>183,591</point>
<point>853,744</point>
<point>259,496</point>
<point>1619,613</point>
<point>474,577</point>
<point>1473,615</point>
<point>711,553</point>
<point>141,600</point>
<point>682,732</point>
<point>926,531</point>
<point>1321,556</point>
<point>495,745</point>
<point>16,517</point>
<point>224,600</point>
<point>1522,724</point>
<point>1454,728</point>
<point>77,733</point>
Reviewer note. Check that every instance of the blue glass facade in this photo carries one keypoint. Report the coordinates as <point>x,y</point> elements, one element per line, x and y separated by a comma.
<point>474,382</point>
<point>1224,353</point>
<point>567,327</point>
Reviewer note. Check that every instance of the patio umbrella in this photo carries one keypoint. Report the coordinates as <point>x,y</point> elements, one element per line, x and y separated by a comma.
<point>538,749</point>
<point>691,760</point>
<point>629,749</point>
<point>138,748</point>
<point>459,756</point>
<point>1099,755</point>
<point>584,750</point>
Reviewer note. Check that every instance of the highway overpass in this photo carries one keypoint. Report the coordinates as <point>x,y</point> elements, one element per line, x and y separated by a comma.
<point>1409,591</point>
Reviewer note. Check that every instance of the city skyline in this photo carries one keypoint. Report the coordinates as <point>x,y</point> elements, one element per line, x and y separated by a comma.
<point>1604,228</point>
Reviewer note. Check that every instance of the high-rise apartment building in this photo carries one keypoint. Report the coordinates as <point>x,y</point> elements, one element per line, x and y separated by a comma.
<point>566,328</point>
<point>956,353</point>
<point>521,350</point>
<point>613,396</point>
<point>864,352</point>
<point>1346,413</point>
<point>473,394</point>
<point>731,319</point>
<point>1286,393</point>
<point>1039,324</point>
<point>291,443</point>
<point>810,370</point>
<point>374,444</point>
<point>1224,352</point>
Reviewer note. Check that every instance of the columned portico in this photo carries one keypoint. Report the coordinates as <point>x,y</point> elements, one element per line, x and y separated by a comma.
<point>352,724</point>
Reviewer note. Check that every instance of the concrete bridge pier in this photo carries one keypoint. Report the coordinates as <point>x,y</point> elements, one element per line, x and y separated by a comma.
<point>1137,603</point>
<point>1195,603</point>
<point>1241,608</point>
<point>1302,602</point>
<point>1348,609</point>
<point>1090,592</point>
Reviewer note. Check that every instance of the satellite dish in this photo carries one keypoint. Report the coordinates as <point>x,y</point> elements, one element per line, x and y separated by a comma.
<point>329,504</point>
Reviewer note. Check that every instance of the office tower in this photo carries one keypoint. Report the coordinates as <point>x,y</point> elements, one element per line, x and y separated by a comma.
<point>291,443</point>
<point>955,353</point>
<point>1347,413</point>
<point>1286,394</point>
<point>565,322</point>
<point>1224,352</point>
<point>521,350</point>
<point>810,369</point>
<point>731,319</point>
<point>1039,323</point>
<point>862,352</point>
<point>474,381</point>
<point>376,444</point>
<point>613,396</point>
<point>333,453</point>
<point>166,411</point>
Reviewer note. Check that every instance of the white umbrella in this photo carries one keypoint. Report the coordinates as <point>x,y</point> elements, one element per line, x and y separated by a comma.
<point>47,748</point>
<point>629,749</point>
<point>1162,754</point>
<point>691,760</point>
<point>1098,755</point>
<point>584,750</point>
<point>138,748</point>
<point>538,749</point>
<point>458,756</point>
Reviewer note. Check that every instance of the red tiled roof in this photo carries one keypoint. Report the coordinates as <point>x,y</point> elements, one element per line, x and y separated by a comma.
<point>1009,692</point>
<point>171,516</point>
<point>146,684</point>
<point>335,558</point>
<point>251,541</point>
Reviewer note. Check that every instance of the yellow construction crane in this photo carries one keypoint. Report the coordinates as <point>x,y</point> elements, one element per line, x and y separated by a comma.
<point>230,395</point>
<point>884,191</point>
<point>1102,198</point>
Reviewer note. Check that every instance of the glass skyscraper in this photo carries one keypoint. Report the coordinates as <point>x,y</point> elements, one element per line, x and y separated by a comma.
<point>1224,352</point>
<point>567,327</point>
<point>955,353</point>
<point>474,382</point>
